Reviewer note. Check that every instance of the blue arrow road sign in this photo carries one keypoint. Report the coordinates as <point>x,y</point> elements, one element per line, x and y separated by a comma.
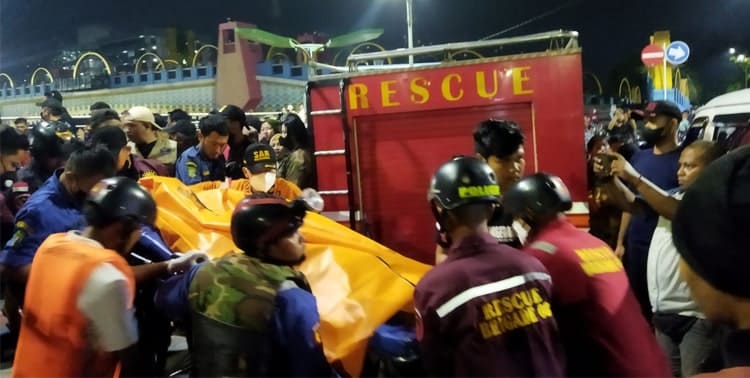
<point>677,52</point>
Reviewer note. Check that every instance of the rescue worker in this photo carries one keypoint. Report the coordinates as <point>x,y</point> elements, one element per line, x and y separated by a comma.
<point>499,143</point>
<point>710,232</point>
<point>205,162</point>
<point>83,279</point>
<point>600,319</point>
<point>682,329</point>
<point>50,146</point>
<point>259,170</point>
<point>184,133</point>
<point>268,325</point>
<point>485,310</point>
<point>128,165</point>
<point>145,134</point>
<point>55,207</point>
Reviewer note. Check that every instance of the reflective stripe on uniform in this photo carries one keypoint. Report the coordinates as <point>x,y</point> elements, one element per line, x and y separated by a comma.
<point>490,288</point>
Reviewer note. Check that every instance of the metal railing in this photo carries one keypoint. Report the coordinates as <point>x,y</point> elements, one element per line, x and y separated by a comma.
<point>570,37</point>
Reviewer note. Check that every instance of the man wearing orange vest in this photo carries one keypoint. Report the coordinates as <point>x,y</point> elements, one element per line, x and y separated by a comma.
<point>78,315</point>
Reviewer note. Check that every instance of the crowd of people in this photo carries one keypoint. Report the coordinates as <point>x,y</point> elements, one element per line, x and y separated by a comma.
<point>516,289</point>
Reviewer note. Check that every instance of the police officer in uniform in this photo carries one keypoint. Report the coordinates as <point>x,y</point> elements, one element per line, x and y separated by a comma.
<point>485,310</point>
<point>205,161</point>
<point>600,319</point>
<point>252,313</point>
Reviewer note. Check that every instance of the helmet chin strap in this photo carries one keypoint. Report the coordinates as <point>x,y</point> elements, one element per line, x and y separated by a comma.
<point>445,240</point>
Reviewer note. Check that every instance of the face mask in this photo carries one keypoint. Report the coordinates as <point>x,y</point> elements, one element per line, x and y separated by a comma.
<point>263,182</point>
<point>652,136</point>
<point>522,230</point>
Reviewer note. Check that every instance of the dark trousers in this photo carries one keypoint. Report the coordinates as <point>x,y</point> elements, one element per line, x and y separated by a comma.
<point>635,262</point>
<point>693,345</point>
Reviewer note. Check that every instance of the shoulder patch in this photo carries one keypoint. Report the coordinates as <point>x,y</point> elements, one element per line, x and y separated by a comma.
<point>192,168</point>
<point>17,238</point>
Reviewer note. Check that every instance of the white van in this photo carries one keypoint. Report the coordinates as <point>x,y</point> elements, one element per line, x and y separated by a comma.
<point>725,119</point>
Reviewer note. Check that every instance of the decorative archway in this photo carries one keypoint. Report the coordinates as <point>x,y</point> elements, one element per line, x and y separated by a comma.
<point>88,54</point>
<point>7,77</point>
<point>275,52</point>
<point>198,53</point>
<point>365,45</point>
<point>453,55</point>
<point>159,61</point>
<point>629,89</point>
<point>596,81</point>
<point>42,69</point>
<point>637,97</point>
<point>160,66</point>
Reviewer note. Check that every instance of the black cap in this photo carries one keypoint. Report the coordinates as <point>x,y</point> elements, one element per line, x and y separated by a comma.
<point>51,102</point>
<point>99,105</point>
<point>710,226</point>
<point>54,94</point>
<point>258,222</point>
<point>667,108</point>
<point>234,113</point>
<point>463,181</point>
<point>100,116</point>
<point>118,198</point>
<point>112,137</point>
<point>182,126</point>
<point>539,195</point>
<point>259,157</point>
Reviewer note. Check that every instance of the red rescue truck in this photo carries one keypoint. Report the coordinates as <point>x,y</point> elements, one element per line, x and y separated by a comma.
<point>380,133</point>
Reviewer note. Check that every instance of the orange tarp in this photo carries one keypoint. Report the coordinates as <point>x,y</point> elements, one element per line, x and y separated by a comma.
<point>358,283</point>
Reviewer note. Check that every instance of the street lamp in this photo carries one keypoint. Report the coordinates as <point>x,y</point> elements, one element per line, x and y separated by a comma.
<point>741,58</point>
<point>409,28</point>
<point>732,51</point>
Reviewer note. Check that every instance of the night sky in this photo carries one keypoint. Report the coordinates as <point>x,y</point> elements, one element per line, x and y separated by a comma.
<point>611,32</point>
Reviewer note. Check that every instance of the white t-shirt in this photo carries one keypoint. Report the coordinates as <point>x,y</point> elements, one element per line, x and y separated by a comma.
<point>106,301</point>
<point>667,292</point>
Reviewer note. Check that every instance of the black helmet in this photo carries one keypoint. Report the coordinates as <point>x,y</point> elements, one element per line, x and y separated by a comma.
<point>118,198</point>
<point>539,195</point>
<point>258,222</point>
<point>463,181</point>
<point>51,139</point>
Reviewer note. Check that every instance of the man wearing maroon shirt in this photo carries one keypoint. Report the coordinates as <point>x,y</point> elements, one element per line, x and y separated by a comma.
<point>600,320</point>
<point>485,310</point>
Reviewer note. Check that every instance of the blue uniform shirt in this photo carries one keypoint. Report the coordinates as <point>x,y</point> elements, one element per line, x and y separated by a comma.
<point>51,209</point>
<point>294,324</point>
<point>193,167</point>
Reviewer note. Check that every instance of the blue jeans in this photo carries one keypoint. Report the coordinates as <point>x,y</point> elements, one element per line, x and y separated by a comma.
<point>693,345</point>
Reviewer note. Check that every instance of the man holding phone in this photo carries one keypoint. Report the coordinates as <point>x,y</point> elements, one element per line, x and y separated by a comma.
<point>659,165</point>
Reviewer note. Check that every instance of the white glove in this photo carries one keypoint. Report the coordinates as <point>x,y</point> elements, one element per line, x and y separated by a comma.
<point>186,261</point>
